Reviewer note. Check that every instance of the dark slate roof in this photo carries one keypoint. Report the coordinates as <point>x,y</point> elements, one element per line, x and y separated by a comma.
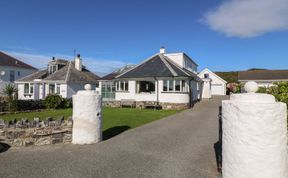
<point>112,75</point>
<point>157,66</point>
<point>7,60</point>
<point>67,73</point>
<point>263,75</point>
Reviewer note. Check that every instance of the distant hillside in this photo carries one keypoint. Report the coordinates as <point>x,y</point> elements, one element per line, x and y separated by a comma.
<point>230,77</point>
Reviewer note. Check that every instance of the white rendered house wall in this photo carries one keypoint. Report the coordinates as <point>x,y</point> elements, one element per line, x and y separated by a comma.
<point>165,97</point>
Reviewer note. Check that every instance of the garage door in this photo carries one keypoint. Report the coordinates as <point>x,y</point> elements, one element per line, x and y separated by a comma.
<point>217,89</point>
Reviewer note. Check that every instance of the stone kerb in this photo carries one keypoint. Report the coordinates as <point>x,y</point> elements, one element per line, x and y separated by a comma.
<point>254,139</point>
<point>87,116</point>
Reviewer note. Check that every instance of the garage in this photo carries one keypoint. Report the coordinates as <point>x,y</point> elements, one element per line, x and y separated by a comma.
<point>217,89</point>
<point>217,84</point>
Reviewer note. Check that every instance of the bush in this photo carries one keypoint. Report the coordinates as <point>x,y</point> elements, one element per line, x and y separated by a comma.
<point>66,103</point>
<point>262,90</point>
<point>56,102</point>
<point>234,87</point>
<point>24,105</point>
<point>280,91</point>
<point>53,101</point>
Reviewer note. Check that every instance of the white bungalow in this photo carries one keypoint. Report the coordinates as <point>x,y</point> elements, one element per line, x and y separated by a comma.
<point>168,80</point>
<point>212,84</point>
<point>61,77</point>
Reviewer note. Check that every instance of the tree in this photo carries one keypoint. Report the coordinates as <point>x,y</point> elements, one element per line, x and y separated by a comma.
<point>10,91</point>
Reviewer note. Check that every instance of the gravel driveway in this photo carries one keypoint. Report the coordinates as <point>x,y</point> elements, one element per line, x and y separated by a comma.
<point>178,146</point>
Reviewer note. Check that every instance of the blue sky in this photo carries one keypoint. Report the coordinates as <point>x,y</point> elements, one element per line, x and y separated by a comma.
<point>222,35</point>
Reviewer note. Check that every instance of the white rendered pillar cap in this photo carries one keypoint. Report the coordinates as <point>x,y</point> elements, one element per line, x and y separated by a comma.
<point>251,96</point>
<point>251,87</point>
<point>88,87</point>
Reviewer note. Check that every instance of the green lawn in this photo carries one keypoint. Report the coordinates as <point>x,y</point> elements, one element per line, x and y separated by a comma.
<point>115,120</point>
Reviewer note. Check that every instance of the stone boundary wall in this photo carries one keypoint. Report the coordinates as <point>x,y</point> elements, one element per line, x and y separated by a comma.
<point>35,132</point>
<point>143,104</point>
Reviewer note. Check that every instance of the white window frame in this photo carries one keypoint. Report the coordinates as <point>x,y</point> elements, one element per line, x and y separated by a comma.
<point>182,89</point>
<point>30,88</point>
<point>57,86</point>
<point>118,86</point>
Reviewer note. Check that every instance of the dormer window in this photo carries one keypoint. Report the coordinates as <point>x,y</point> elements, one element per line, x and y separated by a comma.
<point>55,65</point>
<point>52,69</point>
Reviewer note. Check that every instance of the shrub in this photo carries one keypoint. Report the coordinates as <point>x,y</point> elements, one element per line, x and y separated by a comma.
<point>66,103</point>
<point>280,91</point>
<point>262,90</point>
<point>234,87</point>
<point>24,105</point>
<point>10,91</point>
<point>53,101</point>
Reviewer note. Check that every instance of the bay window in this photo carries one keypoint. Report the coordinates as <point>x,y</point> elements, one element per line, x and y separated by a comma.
<point>175,86</point>
<point>122,86</point>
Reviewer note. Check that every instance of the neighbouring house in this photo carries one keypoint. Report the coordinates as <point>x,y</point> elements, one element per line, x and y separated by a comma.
<point>167,80</point>
<point>212,84</point>
<point>264,78</point>
<point>107,85</point>
<point>61,77</point>
<point>12,69</point>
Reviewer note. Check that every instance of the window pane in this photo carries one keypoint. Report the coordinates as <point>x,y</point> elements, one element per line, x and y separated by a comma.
<point>108,88</point>
<point>183,85</point>
<point>51,88</point>
<point>146,86</point>
<point>113,88</point>
<point>12,76</point>
<point>54,68</point>
<point>171,85</point>
<point>122,86</point>
<point>31,87</point>
<point>165,85</point>
<point>26,88</point>
<point>58,89</point>
<point>126,86</point>
<point>177,85</point>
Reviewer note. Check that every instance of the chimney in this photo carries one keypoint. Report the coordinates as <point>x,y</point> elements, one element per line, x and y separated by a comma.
<point>162,50</point>
<point>78,62</point>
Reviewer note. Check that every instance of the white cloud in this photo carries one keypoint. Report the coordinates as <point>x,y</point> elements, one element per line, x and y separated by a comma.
<point>248,18</point>
<point>99,66</point>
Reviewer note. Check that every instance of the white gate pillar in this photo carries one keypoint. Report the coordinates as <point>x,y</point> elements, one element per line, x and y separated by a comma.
<point>254,140</point>
<point>87,116</point>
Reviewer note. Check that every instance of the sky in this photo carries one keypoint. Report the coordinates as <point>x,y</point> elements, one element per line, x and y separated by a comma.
<point>223,35</point>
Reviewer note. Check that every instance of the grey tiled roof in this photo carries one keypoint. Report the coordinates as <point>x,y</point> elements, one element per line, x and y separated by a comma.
<point>41,74</point>
<point>157,66</point>
<point>66,74</point>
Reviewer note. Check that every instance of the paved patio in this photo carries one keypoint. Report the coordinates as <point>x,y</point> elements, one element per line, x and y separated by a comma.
<point>177,146</point>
